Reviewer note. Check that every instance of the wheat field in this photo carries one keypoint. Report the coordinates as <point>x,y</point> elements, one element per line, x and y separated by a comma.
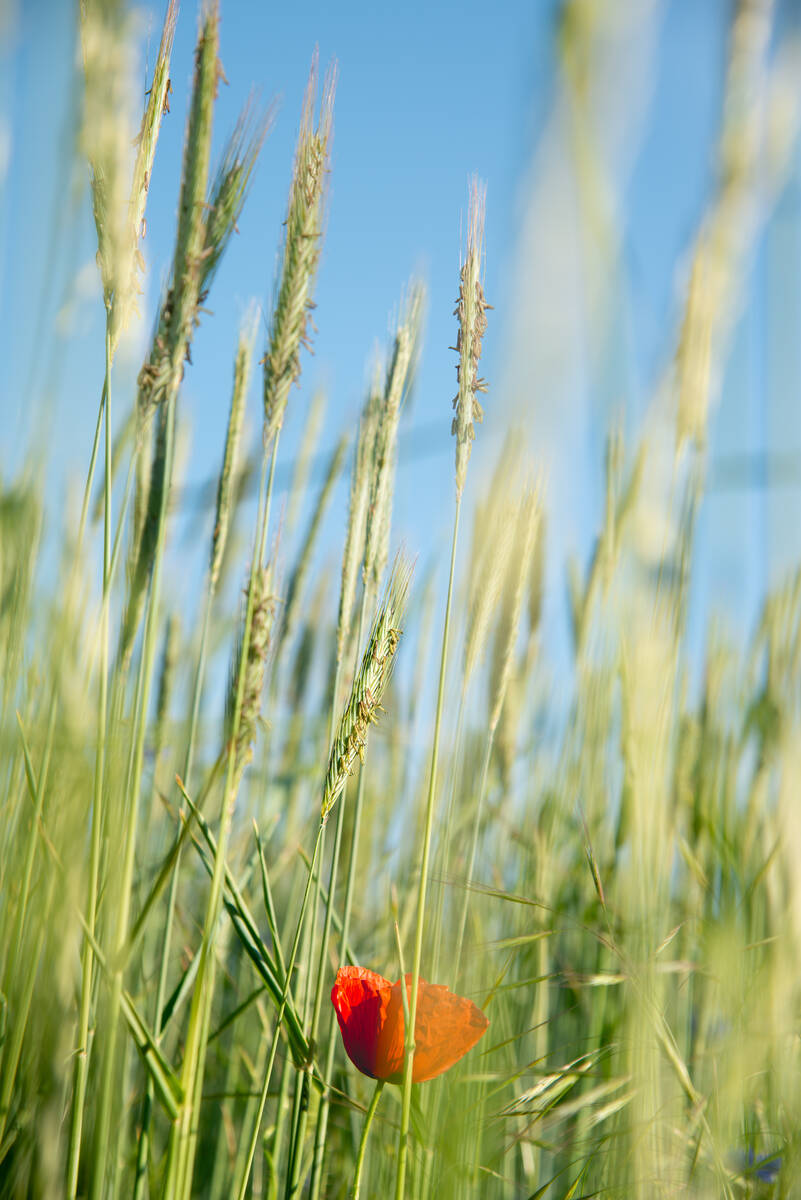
<point>212,801</point>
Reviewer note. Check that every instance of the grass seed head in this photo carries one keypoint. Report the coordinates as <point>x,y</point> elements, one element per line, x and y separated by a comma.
<point>353,554</point>
<point>242,369</point>
<point>144,535</point>
<point>399,374</point>
<point>169,659</point>
<point>157,105</point>
<point>304,225</point>
<point>258,646</point>
<point>229,188</point>
<point>368,687</point>
<point>471,308</point>
<point>161,375</point>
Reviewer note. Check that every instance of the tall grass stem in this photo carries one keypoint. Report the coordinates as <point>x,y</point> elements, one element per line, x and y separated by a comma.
<point>406,1098</point>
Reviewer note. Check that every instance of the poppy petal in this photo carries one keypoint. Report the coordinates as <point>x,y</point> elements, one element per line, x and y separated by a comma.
<point>446,1027</point>
<point>370,1013</point>
<point>360,998</point>
<point>391,1044</point>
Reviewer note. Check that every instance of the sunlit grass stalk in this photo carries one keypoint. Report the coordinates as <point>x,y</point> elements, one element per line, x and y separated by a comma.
<point>348,746</point>
<point>400,371</point>
<point>300,1107</point>
<point>32,841</point>
<point>184,1135</point>
<point>353,553</point>
<point>200,244</point>
<point>368,1120</point>
<point>352,558</point>
<point>470,310</point>
<point>106,133</point>
<point>11,1047</point>
<point>527,533</point>
<point>369,684</point>
<point>221,1159</point>
<point>282,365</point>
<point>445,847</point>
<point>159,382</point>
<point>81,1071</point>
<point>242,370</point>
<point>490,566</point>
<point>17,1034</point>
<point>367,537</point>
<point>249,1116</point>
<point>13,939</point>
<point>130,820</point>
<point>121,298</point>
<point>241,1184</point>
<point>322,1112</point>
<point>281,1116</point>
<point>289,330</point>
<point>406,1097</point>
<point>271,972</point>
<point>157,106</point>
<point>218,874</point>
<point>90,476</point>
<point>297,1147</point>
<point>283,1113</point>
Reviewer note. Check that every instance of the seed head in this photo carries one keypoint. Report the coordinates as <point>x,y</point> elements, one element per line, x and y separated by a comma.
<point>470,310</point>
<point>368,687</point>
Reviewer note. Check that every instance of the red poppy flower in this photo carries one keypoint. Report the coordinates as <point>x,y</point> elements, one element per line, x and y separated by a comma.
<point>370,1013</point>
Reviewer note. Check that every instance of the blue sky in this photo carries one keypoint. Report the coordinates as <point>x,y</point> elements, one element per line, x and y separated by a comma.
<point>417,110</point>
<point>426,95</point>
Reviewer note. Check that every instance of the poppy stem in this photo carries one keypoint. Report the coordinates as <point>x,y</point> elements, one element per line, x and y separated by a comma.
<point>368,1120</point>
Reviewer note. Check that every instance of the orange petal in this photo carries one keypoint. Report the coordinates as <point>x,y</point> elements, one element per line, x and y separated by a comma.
<point>445,1028</point>
<point>390,1047</point>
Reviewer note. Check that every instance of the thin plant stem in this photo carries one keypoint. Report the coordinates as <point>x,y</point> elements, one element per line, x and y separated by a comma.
<point>406,1099</point>
<point>12,1046</point>
<point>322,1114</point>
<point>473,850</point>
<point>87,963</point>
<point>368,1120</point>
<point>255,1074</point>
<point>14,1049</point>
<point>299,1112</point>
<point>30,855</point>
<point>300,1104</point>
<point>187,772</point>
<point>132,794</point>
<point>172,894</point>
<point>241,1190</point>
<point>297,1150</point>
<point>281,1111</point>
<point>90,474</point>
<point>181,1161</point>
<point>143,1145</point>
<point>445,851</point>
